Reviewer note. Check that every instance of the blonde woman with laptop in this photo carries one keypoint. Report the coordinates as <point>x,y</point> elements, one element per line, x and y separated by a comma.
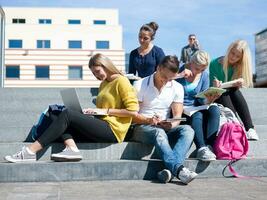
<point>116,98</point>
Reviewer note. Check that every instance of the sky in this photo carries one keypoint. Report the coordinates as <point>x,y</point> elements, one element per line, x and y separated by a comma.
<point>216,23</point>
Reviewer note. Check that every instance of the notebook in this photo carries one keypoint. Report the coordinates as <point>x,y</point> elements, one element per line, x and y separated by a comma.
<point>211,91</point>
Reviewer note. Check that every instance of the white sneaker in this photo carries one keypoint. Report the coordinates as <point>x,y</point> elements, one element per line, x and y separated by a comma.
<point>21,156</point>
<point>165,176</point>
<point>252,135</point>
<point>67,155</point>
<point>186,176</point>
<point>205,154</point>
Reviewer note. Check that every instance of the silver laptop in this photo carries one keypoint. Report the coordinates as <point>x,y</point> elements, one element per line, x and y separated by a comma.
<point>70,99</point>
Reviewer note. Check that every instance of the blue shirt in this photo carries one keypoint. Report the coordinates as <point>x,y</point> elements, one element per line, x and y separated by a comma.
<point>147,64</point>
<point>189,96</point>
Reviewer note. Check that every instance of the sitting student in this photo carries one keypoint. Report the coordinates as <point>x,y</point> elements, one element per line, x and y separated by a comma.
<point>120,105</point>
<point>158,95</point>
<point>235,64</point>
<point>204,122</point>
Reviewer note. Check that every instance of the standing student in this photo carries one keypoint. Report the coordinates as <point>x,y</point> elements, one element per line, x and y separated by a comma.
<point>190,49</point>
<point>158,96</point>
<point>145,59</point>
<point>204,122</point>
<point>235,64</point>
<point>117,98</point>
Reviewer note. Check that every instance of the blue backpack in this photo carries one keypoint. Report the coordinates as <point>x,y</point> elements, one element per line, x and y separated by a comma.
<point>45,119</point>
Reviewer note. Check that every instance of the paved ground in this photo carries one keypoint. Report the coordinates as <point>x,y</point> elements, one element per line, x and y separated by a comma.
<point>200,189</point>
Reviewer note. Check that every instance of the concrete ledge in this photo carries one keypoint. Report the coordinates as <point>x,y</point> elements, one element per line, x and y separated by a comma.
<point>117,170</point>
<point>125,150</point>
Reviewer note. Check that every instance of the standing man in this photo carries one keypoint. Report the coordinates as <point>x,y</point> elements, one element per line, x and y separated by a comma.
<point>159,95</point>
<point>190,49</point>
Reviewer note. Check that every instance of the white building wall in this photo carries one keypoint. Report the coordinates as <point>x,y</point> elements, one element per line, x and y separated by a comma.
<point>59,56</point>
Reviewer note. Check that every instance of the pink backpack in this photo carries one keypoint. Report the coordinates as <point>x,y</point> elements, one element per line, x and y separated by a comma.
<point>231,143</point>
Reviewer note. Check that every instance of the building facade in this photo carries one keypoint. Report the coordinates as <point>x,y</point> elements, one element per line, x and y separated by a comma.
<point>261,58</point>
<point>51,47</point>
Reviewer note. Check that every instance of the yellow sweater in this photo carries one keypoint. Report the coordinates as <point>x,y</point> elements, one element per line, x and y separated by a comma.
<point>118,94</point>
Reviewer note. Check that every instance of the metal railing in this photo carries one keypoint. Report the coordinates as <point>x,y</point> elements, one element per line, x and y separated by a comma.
<point>2,46</point>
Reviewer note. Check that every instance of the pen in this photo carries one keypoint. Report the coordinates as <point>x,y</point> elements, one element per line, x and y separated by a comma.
<point>215,77</point>
<point>156,115</point>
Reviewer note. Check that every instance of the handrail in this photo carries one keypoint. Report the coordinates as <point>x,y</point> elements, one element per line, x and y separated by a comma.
<point>2,46</point>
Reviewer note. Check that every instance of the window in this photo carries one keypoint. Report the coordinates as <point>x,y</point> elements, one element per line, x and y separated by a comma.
<point>45,21</point>
<point>100,22</point>
<point>15,43</point>
<point>43,44</point>
<point>75,72</point>
<point>18,21</point>
<point>102,44</point>
<point>42,72</point>
<point>74,21</point>
<point>75,44</point>
<point>12,71</point>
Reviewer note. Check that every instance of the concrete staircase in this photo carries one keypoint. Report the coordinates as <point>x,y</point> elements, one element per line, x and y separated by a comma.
<point>20,109</point>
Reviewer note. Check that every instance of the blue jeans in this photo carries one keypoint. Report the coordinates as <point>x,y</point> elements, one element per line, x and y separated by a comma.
<point>172,146</point>
<point>205,124</point>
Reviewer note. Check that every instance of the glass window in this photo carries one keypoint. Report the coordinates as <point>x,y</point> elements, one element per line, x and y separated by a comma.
<point>43,44</point>
<point>15,43</point>
<point>18,21</point>
<point>42,72</point>
<point>74,21</point>
<point>100,22</point>
<point>45,21</point>
<point>12,71</point>
<point>75,44</point>
<point>102,44</point>
<point>75,72</point>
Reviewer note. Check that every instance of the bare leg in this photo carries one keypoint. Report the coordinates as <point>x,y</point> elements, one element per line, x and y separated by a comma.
<point>36,146</point>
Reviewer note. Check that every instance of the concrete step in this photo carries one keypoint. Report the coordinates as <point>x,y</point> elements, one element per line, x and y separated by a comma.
<point>125,150</point>
<point>12,99</point>
<point>44,171</point>
<point>22,107</point>
<point>256,99</point>
<point>18,132</point>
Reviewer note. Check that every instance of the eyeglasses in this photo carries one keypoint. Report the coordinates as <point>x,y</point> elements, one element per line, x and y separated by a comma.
<point>192,38</point>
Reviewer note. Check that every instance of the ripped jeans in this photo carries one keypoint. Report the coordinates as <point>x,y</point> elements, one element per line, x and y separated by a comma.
<point>172,146</point>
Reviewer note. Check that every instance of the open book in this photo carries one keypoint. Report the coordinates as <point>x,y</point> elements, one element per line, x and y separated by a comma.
<point>210,91</point>
<point>230,84</point>
<point>190,110</point>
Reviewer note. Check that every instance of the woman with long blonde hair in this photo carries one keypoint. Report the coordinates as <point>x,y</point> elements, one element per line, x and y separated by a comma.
<point>235,65</point>
<point>117,102</point>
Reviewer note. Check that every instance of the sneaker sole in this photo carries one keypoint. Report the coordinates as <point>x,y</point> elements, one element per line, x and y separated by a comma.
<point>64,159</point>
<point>11,160</point>
<point>207,160</point>
<point>253,139</point>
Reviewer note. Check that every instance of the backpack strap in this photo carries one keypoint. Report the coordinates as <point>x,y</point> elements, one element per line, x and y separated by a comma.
<point>234,173</point>
<point>232,170</point>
